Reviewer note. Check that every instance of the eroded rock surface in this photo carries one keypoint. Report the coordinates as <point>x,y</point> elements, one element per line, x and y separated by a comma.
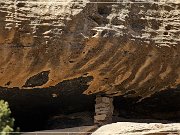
<point>128,47</point>
<point>130,128</point>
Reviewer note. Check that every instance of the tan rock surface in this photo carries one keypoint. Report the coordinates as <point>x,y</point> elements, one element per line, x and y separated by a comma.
<point>130,128</point>
<point>129,48</point>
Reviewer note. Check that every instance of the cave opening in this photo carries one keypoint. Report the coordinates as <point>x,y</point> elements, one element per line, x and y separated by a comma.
<point>60,106</point>
<point>164,105</point>
<point>36,111</point>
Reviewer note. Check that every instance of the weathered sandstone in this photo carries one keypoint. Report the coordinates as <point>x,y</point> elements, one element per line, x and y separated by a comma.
<point>129,48</point>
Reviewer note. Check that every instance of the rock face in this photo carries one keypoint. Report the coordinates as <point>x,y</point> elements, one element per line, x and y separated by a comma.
<point>129,48</point>
<point>126,128</point>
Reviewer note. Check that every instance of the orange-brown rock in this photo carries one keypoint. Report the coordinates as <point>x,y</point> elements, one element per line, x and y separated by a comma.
<point>127,47</point>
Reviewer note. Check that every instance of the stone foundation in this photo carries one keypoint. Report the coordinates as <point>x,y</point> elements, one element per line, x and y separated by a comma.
<point>103,110</point>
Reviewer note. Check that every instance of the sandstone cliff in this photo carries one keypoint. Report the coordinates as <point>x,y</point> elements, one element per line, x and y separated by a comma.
<point>128,47</point>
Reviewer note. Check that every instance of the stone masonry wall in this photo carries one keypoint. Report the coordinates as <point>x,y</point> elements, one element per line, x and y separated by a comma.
<point>103,110</point>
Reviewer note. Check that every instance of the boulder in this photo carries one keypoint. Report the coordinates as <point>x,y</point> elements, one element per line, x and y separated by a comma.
<point>130,128</point>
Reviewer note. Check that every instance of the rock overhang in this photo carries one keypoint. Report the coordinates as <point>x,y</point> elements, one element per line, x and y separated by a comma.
<point>130,48</point>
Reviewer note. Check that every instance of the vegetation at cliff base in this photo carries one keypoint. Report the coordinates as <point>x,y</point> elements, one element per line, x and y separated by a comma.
<point>6,122</point>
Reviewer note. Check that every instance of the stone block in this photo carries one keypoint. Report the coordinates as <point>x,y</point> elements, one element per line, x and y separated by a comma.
<point>106,100</point>
<point>101,105</point>
<point>100,117</point>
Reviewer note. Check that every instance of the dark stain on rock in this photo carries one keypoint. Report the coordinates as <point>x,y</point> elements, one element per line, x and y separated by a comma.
<point>168,27</point>
<point>38,79</point>
<point>165,33</point>
<point>137,26</point>
<point>8,83</point>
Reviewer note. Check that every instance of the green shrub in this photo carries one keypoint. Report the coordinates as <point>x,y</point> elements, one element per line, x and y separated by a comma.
<point>6,122</point>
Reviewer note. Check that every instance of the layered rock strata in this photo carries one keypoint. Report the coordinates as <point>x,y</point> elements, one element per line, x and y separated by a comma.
<point>129,47</point>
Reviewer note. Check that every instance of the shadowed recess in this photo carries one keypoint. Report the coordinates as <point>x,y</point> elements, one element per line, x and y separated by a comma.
<point>38,79</point>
